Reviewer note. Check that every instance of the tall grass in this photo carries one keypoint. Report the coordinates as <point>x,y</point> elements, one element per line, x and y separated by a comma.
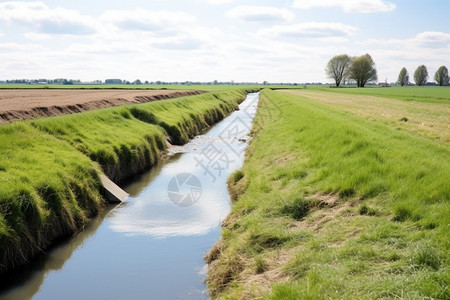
<point>121,144</point>
<point>49,183</point>
<point>130,139</point>
<point>47,190</point>
<point>337,207</point>
<point>184,118</point>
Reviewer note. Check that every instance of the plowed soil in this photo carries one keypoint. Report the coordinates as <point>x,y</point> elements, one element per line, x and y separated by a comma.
<point>29,104</point>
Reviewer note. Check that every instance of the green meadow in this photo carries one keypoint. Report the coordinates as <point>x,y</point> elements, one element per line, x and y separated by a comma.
<point>435,94</point>
<point>49,167</point>
<point>333,204</point>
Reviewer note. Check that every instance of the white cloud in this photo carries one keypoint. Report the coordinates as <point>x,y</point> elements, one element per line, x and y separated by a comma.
<point>358,6</point>
<point>178,43</point>
<point>16,47</point>
<point>260,14</point>
<point>216,2</point>
<point>309,30</point>
<point>427,39</point>
<point>37,36</point>
<point>147,20</point>
<point>100,48</point>
<point>40,17</point>
<point>432,39</point>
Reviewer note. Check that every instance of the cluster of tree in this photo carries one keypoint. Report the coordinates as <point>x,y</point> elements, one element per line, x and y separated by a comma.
<point>421,76</point>
<point>361,69</point>
<point>343,68</point>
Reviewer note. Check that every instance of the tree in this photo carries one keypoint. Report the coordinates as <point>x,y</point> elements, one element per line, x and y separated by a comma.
<point>337,68</point>
<point>441,76</point>
<point>403,77</point>
<point>421,75</point>
<point>362,70</point>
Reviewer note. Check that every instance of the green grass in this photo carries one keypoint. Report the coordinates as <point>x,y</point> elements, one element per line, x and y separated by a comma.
<point>428,119</point>
<point>47,190</point>
<point>332,205</point>
<point>49,182</point>
<point>432,94</point>
<point>130,139</point>
<point>121,144</point>
<point>192,113</point>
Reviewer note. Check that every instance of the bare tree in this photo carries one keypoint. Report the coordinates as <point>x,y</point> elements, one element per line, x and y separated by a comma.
<point>403,77</point>
<point>362,70</point>
<point>337,68</point>
<point>421,75</point>
<point>441,76</point>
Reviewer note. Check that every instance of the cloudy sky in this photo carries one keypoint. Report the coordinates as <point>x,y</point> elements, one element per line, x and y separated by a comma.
<point>205,40</point>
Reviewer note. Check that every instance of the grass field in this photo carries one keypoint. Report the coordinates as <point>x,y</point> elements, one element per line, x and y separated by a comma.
<point>434,94</point>
<point>427,118</point>
<point>49,182</point>
<point>333,204</point>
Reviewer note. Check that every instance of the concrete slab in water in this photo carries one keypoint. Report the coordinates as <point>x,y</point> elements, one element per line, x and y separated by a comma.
<point>113,193</point>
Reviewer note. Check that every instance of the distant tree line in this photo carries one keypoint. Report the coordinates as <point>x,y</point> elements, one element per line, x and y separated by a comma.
<point>421,76</point>
<point>44,81</point>
<point>113,81</point>
<point>343,68</point>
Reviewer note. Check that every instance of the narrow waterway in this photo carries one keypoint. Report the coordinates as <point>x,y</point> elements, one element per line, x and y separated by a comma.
<point>152,245</point>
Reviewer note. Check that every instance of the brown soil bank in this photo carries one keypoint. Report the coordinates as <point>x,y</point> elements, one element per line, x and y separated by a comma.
<point>30,104</point>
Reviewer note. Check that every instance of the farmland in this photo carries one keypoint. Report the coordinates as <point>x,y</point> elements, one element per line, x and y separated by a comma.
<point>21,104</point>
<point>344,193</point>
<point>341,196</point>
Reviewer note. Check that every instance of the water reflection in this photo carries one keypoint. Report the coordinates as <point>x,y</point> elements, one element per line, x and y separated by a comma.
<point>26,281</point>
<point>152,213</point>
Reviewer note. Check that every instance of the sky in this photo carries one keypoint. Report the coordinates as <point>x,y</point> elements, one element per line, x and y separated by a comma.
<point>224,40</point>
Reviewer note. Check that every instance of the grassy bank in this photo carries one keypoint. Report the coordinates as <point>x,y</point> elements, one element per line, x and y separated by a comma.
<point>49,184</point>
<point>332,205</point>
<point>47,190</point>
<point>128,140</point>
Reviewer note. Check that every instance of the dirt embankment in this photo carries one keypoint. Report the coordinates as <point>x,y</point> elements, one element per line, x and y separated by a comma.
<point>28,104</point>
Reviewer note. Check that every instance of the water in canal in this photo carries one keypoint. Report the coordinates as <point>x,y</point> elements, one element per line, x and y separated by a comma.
<point>152,245</point>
